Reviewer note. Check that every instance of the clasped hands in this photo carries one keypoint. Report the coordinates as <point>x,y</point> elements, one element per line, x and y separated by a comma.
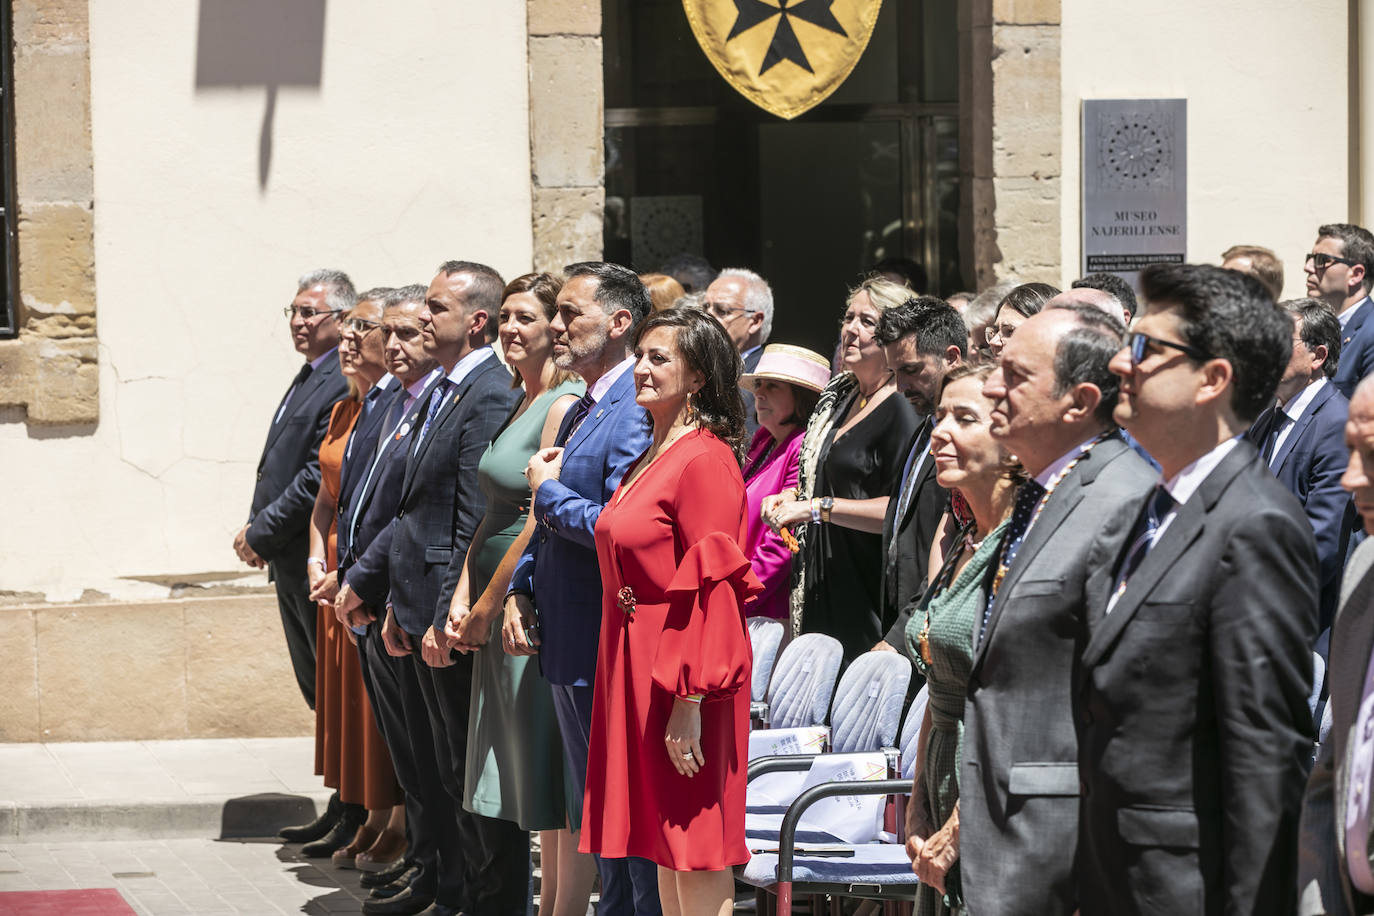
<point>783,510</point>
<point>933,855</point>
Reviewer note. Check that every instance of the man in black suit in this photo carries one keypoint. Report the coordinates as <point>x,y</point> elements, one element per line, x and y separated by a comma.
<point>1302,439</point>
<point>1336,871</point>
<point>277,534</point>
<point>1018,798</point>
<point>365,527</point>
<point>1340,271</point>
<point>439,509</point>
<point>742,302</point>
<point>923,339</point>
<point>1191,694</point>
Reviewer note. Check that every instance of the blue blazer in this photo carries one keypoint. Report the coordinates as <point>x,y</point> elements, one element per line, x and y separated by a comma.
<point>359,452</point>
<point>440,499</point>
<point>1310,465</point>
<point>365,533</point>
<point>559,567</point>
<point>1357,349</point>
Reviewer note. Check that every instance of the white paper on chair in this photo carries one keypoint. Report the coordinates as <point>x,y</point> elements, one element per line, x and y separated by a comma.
<point>774,742</point>
<point>852,818</point>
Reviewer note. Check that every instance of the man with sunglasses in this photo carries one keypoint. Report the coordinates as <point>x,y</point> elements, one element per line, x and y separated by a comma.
<point>1340,270</point>
<point>1191,692</point>
<point>277,532</point>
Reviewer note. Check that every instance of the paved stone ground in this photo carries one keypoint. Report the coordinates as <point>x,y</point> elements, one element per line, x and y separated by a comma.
<point>176,877</point>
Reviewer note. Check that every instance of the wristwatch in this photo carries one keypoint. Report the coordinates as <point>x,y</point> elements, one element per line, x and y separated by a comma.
<point>827,503</point>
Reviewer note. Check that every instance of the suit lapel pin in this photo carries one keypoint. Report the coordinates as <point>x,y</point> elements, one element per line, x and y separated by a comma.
<point>401,433</point>
<point>599,413</point>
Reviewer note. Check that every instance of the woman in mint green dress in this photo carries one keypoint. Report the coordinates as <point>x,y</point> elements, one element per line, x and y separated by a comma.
<point>515,754</point>
<point>940,633</point>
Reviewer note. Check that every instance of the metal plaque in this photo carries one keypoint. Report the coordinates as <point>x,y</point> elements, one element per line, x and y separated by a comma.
<point>1135,184</point>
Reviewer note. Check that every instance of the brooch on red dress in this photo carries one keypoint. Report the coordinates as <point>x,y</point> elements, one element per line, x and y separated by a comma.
<point>625,599</point>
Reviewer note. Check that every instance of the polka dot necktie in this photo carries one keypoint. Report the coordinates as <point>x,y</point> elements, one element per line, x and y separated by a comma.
<point>1021,514</point>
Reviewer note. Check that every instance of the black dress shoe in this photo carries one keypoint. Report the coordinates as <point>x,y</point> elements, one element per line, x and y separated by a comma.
<point>406,903</point>
<point>317,828</point>
<point>439,909</point>
<point>339,836</point>
<point>395,887</point>
<point>386,876</point>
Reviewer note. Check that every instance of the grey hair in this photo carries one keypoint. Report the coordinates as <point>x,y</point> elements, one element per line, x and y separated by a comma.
<point>415,292</point>
<point>339,293</point>
<point>378,294</point>
<point>982,309</point>
<point>758,296</point>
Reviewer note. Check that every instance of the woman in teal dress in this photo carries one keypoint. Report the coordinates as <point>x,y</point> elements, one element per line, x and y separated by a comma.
<point>940,633</point>
<point>515,755</point>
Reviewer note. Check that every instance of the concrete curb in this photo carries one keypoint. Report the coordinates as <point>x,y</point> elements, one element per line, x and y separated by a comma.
<point>94,819</point>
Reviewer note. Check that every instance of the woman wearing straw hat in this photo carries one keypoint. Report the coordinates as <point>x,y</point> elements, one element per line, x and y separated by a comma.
<point>786,384</point>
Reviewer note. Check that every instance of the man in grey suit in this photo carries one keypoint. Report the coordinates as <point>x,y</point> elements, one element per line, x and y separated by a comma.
<point>1335,869</point>
<point>277,533</point>
<point>1018,804</point>
<point>742,302</point>
<point>1191,694</point>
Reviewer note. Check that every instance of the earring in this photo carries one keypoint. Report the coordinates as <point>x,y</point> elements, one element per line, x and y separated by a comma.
<point>691,409</point>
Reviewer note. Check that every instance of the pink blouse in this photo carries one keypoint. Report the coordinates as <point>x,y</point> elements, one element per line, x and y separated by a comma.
<point>768,555</point>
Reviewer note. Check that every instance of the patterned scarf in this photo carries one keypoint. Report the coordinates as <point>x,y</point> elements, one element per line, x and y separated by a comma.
<point>818,430</point>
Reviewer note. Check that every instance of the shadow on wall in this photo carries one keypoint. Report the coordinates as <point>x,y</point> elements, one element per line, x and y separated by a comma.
<point>269,43</point>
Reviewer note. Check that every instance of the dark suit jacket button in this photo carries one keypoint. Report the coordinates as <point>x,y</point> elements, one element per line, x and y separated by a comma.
<point>259,475</point>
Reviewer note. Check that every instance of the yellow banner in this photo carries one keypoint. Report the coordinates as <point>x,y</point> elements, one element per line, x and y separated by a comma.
<point>786,56</point>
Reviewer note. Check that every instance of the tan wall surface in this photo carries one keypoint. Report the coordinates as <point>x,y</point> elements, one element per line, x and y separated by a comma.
<point>1266,84</point>
<point>191,668</point>
<point>413,148</point>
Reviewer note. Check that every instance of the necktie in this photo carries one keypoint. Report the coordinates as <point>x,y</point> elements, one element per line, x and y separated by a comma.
<point>904,497</point>
<point>579,413</point>
<point>1142,538</point>
<point>1271,440</point>
<point>1021,514</point>
<point>436,400</point>
<point>300,378</point>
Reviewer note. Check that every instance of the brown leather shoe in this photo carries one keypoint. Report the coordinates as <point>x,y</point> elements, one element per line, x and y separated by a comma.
<point>364,838</point>
<point>388,848</point>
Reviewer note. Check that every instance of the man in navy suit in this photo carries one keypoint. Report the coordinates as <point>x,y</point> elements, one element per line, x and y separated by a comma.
<point>439,508</point>
<point>1340,269</point>
<point>742,302</point>
<point>277,534</point>
<point>1302,439</point>
<point>556,586</point>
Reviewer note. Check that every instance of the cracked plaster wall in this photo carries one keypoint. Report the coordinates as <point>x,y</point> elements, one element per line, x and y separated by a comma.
<point>1268,129</point>
<point>396,162</point>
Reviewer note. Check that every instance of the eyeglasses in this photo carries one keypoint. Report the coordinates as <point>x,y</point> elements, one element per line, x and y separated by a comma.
<point>1002,332</point>
<point>723,312</point>
<point>361,326</point>
<point>1138,343</point>
<point>1322,261</point>
<point>306,312</point>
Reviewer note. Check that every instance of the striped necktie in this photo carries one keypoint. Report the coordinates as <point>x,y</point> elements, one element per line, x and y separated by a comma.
<point>1142,538</point>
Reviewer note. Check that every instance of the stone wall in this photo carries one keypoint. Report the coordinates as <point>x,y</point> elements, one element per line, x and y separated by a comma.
<point>1010,140</point>
<point>51,368</point>
<point>188,668</point>
<point>567,163</point>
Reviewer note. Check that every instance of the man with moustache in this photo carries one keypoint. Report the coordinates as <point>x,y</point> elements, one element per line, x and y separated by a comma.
<point>1336,871</point>
<point>365,544</point>
<point>1191,694</point>
<point>440,505</point>
<point>923,339</point>
<point>556,587</point>
<point>1018,791</point>
<point>277,533</point>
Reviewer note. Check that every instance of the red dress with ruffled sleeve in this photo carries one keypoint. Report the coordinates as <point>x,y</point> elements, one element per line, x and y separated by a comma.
<point>673,538</point>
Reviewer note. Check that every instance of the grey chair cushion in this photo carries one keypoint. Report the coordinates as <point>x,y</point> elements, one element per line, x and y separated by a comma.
<point>765,635</point>
<point>803,681</point>
<point>885,864</point>
<point>908,744</point>
<point>868,703</point>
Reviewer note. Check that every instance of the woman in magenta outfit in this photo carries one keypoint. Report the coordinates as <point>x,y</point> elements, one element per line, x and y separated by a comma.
<point>670,717</point>
<point>786,384</point>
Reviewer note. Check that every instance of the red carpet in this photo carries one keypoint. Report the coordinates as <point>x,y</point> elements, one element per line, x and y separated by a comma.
<point>96,902</point>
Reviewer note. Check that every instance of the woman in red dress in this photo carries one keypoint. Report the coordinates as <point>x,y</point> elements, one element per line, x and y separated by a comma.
<point>670,719</point>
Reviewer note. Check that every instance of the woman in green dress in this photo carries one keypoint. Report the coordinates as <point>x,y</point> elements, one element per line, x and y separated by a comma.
<point>940,634</point>
<point>515,755</point>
